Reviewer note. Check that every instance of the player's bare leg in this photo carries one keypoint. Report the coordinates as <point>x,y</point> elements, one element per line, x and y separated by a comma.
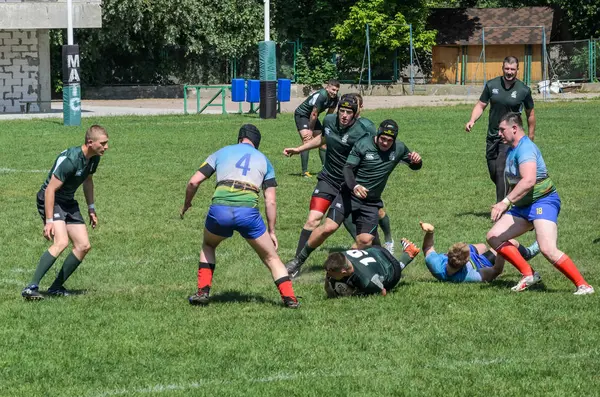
<point>364,240</point>
<point>206,267</point>
<point>60,242</point>
<point>547,235</point>
<point>265,249</point>
<point>78,234</point>
<point>317,237</point>
<point>306,135</point>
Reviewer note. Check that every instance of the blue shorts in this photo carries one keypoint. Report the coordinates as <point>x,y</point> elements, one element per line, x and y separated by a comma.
<point>547,208</point>
<point>222,220</point>
<point>478,259</point>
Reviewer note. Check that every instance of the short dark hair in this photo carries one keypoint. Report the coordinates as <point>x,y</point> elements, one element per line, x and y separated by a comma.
<point>510,59</point>
<point>334,83</point>
<point>359,98</point>
<point>513,118</point>
<point>336,262</point>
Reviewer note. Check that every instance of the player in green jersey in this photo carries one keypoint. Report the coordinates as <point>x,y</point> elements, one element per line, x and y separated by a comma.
<point>366,172</point>
<point>341,132</point>
<point>372,270</point>
<point>384,219</point>
<point>506,94</point>
<point>60,211</point>
<point>307,117</point>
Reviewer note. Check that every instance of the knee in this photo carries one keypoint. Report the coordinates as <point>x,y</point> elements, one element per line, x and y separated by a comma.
<point>364,241</point>
<point>61,244</point>
<point>312,223</point>
<point>329,228</point>
<point>493,240</point>
<point>381,213</point>
<point>85,247</point>
<point>551,253</point>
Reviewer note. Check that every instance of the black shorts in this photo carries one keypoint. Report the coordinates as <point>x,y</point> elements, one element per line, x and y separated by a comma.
<point>395,265</point>
<point>67,211</point>
<point>365,214</point>
<point>325,188</point>
<point>302,123</point>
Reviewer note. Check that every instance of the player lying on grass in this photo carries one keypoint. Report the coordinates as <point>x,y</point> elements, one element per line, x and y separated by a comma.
<point>466,263</point>
<point>372,270</point>
<point>241,173</point>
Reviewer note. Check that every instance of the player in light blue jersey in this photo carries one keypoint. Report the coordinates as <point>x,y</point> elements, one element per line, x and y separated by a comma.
<point>465,263</point>
<point>242,171</point>
<point>532,203</point>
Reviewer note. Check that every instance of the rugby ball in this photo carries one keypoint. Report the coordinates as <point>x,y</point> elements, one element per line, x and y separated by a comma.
<point>340,288</point>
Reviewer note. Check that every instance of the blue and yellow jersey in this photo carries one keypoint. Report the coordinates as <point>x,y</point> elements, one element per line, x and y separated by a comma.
<point>242,171</point>
<point>436,263</point>
<point>525,152</point>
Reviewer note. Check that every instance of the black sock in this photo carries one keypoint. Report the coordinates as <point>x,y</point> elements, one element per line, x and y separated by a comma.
<point>523,251</point>
<point>384,223</point>
<point>305,252</point>
<point>68,267</point>
<point>304,235</point>
<point>405,259</point>
<point>45,263</point>
<point>304,161</point>
<point>350,227</point>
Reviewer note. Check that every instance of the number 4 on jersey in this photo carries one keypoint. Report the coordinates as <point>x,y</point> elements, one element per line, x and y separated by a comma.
<point>243,164</point>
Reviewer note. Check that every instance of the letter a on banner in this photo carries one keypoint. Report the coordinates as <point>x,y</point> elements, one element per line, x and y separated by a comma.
<point>71,85</point>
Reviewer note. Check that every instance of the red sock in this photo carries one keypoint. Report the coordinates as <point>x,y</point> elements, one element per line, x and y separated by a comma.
<point>511,254</point>
<point>568,268</point>
<point>284,285</point>
<point>205,275</point>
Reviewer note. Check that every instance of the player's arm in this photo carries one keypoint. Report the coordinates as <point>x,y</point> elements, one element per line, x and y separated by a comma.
<point>491,273</point>
<point>476,113</point>
<point>329,289</point>
<point>528,172</point>
<point>353,161</point>
<point>315,142</point>
<point>204,172</point>
<point>530,123</point>
<point>49,197</point>
<point>271,212</point>
<point>429,229</point>
<point>413,159</point>
<point>88,192</point>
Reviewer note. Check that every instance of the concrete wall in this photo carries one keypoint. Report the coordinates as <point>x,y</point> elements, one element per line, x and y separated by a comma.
<point>20,66</point>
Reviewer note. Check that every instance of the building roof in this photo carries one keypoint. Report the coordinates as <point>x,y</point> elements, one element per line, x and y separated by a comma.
<point>464,26</point>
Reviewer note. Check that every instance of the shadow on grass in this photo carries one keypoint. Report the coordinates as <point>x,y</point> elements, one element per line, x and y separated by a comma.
<point>596,241</point>
<point>482,214</point>
<point>72,292</point>
<point>236,296</point>
<point>506,284</point>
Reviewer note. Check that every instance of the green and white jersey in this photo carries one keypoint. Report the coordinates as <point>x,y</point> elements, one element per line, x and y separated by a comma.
<point>340,141</point>
<point>319,99</point>
<point>71,168</point>
<point>373,167</point>
<point>503,100</point>
<point>374,269</point>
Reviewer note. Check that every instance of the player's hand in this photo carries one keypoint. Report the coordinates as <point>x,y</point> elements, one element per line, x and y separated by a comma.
<point>469,126</point>
<point>415,158</point>
<point>49,231</point>
<point>290,151</point>
<point>274,240</point>
<point>93,219</point>
<point>498,210</point>
<point>186,206</point>
<point>383,292</point>
<point>427,227</point>
<point>360,191</point>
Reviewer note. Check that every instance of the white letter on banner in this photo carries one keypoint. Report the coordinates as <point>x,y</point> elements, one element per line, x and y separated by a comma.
<point>73,61</point>
<point>74,76</point>
<point>75,104</point>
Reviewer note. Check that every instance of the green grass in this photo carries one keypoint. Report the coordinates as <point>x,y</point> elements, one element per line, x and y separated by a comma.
<point>134,334</point>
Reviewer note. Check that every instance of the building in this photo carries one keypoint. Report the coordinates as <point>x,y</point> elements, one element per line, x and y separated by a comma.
<point>463,33</point>
<point>25,47</point>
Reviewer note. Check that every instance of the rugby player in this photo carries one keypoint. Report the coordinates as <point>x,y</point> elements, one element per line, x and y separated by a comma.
<point>241,173</point>
<point>465,263</point>
<point>531,203</point>
<point>372,270</point>
<point>505,93</point>
<point>60,212</point>
<point>307,118</point>
<point>366,172</point>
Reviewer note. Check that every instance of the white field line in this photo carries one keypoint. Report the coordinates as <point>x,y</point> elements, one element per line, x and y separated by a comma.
<point>281,377</point>
<point>14,170</point>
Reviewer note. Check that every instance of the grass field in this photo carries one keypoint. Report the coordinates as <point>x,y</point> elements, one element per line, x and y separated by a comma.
<point>133,333</point>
